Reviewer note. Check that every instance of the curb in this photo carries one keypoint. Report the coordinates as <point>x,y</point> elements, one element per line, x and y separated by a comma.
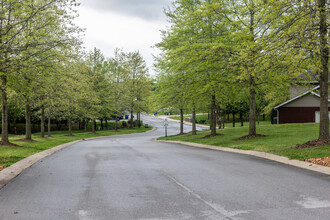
<point>9,173</point>
<point>268,156</point>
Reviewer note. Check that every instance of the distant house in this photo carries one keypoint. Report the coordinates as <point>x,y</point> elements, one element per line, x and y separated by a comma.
<point>304,82</point>
<point>302,108</point>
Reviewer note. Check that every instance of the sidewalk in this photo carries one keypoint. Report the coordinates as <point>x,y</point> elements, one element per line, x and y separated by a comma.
<point>184,122</point>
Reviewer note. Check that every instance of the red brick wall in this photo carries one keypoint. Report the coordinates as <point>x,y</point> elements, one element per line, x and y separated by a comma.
<point>297,114</point>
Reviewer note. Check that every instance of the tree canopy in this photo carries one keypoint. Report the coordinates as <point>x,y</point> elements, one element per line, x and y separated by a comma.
<point>223,50</point>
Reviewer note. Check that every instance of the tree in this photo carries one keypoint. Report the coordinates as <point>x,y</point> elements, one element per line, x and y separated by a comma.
<point>136,81</point>
<point>26,27</point>
<point>323,12</point>
<point>302,29</point>
<point>196,46</point>
<point>96,63</point>
<point>117,76</point>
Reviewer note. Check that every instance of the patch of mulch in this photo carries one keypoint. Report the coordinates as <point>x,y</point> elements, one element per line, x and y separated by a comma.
<point>210,136</point>
<point>2,167</point>
<point>9,144</point>
<point>249,136</point>
<point>324,161</point>
<point>311,144</point>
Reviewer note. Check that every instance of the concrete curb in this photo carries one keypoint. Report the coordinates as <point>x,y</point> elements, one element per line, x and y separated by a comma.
<point>280,159</point>
<point>9,173</point>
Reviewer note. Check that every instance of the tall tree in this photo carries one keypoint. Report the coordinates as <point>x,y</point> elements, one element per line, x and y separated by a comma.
<point>323,14</point>
<point>117,76</point>
<point>137,75</point>
<point>25,27</point>
<point>301,30</point>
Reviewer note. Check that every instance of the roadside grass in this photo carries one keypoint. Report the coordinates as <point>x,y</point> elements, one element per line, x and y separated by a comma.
<point>279,140</point>
<point>10,155</point>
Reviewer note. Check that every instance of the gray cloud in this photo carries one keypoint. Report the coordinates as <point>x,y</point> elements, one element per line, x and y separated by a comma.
<point>145,9</point>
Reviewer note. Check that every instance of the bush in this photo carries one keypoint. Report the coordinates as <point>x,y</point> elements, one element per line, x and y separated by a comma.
<point>124,124</point>
<point>135,123</point>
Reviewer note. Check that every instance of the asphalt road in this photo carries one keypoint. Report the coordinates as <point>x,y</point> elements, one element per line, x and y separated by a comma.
<point>131,177</point>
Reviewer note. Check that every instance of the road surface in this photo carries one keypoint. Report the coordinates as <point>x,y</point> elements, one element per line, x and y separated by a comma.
<point>131,177</point>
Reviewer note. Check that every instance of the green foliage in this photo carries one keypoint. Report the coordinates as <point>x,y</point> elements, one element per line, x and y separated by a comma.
<point>44,71</point>
<point>238,52</point>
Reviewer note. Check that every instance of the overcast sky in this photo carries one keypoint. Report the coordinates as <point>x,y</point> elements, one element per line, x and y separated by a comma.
<point>128,24</point>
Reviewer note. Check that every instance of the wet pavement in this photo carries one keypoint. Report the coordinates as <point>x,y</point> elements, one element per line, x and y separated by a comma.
<point>132,177</point>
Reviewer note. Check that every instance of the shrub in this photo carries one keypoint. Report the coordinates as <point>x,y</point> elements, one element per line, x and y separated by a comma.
<point>124,124</point>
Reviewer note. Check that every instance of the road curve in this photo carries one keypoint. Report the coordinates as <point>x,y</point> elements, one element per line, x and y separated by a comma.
<point>131,177</point>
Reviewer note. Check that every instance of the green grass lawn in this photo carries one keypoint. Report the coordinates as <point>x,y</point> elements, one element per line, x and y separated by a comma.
<point>279,140</point>
<point>10,155</point>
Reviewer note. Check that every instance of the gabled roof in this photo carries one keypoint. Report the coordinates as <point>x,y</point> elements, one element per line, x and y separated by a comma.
<point>312,91</point>
<point>308,77</point>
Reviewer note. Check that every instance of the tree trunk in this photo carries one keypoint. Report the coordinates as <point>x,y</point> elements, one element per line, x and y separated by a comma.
<point>219,116</point>
<point>224,119</point>
<point>258,119</point>
<point>263,117</point>
<point>131,124</point>
<point>15,126</point>
<point>70,126</point>
<point>4,131</point>
<point>139,119</point>
<point>241,118</point>
<point>234,119</point>
<point>250,68</point>
<point>210,118</point>
<point>28,134</point>
<point>94,126</point>
<point>116,124</point>
<point>194,130</point>
<point>58,125</point>
<point>324,77</point>
<point>213,118</point>
<point>85,125</point>
<point>181,121</point>
<point>8,126</point>
<point>106,124</point>
<point>102,124</point>
<point>42,124</point>
<point>252,117</point>
<point>49,126</point>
